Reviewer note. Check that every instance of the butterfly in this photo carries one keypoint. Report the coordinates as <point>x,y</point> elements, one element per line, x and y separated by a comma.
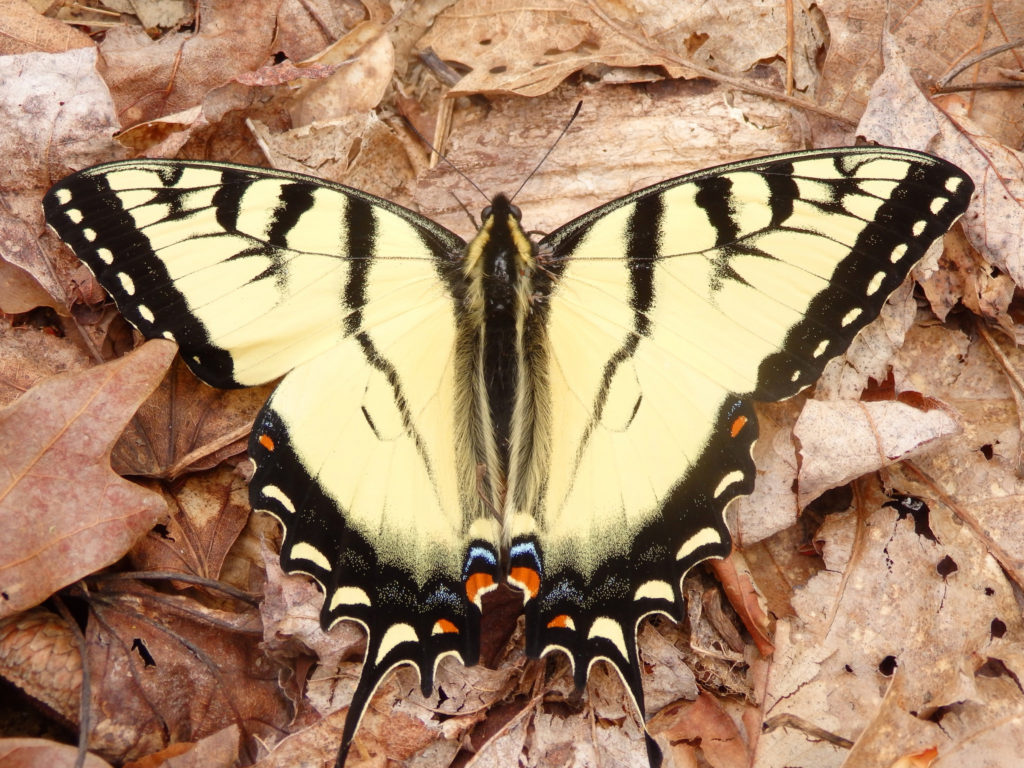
<point>571,415</point>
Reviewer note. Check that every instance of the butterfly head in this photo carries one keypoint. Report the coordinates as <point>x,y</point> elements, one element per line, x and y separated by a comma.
<point>501,258</point>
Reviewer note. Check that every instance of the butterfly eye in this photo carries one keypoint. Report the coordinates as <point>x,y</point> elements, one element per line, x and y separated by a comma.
<point>486,213</point>
<point>516,213</point>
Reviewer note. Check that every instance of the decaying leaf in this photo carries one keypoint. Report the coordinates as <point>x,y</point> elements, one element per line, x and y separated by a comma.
<point>841,441</point>
<point>39,655</point>
<point>206,513</point>
<point>166,669</point>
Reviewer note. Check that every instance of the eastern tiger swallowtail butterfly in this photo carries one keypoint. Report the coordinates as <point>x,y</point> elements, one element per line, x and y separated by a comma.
<point>571,415</point>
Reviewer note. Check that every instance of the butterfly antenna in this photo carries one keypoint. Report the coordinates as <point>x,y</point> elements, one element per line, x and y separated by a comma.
<point>451,165</point>
<point>575,114</point>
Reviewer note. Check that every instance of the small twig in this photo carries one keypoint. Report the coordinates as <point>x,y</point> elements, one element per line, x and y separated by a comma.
<point>995,85</point>
<point>798,723</point>
<point>188,578</point>
<point>84,710</point>
<point>944,81</point>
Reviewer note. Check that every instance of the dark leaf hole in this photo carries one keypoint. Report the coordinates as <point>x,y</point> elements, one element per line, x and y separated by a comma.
<point>946,566</point>
<point>144,653</point>
<point>986,451</point>
<point>997,628</point>
<point>993,668</point>
<point>888,666</point>
<point>914,508</point>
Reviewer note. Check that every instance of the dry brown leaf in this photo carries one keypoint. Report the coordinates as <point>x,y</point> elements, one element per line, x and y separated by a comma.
<point>367,60</point>
<point>150,78</point>
<point>885,596</point>
<point>218,749</point>
<point>702,728</point>
<point>995,221</point>
<point>933,34</point>
<point>307,26</point>
<point>55,445</point>
<point>24,30</point>
<point>529,50</point>
<point>39,654</point>
<point>28,355</point>
<point>166,669</point>
<point>206,513</point>
<point>20,292</point>
<point>980,472</point>
<point>186,425</point>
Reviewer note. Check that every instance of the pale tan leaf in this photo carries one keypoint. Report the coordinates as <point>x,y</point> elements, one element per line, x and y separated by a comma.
<point>40,753</point>
<point>367,59</point>
<point>24,30</point>
<point>843,440</point>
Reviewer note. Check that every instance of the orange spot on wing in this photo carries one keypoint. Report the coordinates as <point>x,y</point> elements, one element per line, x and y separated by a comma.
<point>267,442</point>
<point>443,625</point>
<point>737,425</point>
<point>527,579</point>
<point>477,585</point>
<point>560,621</point>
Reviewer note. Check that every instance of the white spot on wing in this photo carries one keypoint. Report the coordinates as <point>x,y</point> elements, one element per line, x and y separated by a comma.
<point>349,596</point>
<point>918,228</point>
<point>306,551</point>
<point>396,634</point>
<point>953,183</point>
<point>106,255</point>
<point>75,215</point>
<point>147,313</point>
<point>655,589</point>
<point>275,493</point>
<point>63,196</point>
<point>876,283</point>
<point>937,205</point>
<point>699,539</point>
<point>852,315</point>
<point>898,253</point>
<point>126,283</point>
<point>610,629</point>
<point>89,234</point>
<point>820,349</point>
<point>729,479</point>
